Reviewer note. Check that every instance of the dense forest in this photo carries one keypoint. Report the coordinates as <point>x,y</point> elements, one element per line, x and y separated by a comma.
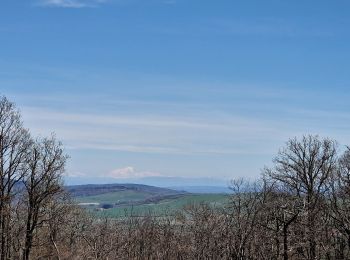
<point>298,209</point>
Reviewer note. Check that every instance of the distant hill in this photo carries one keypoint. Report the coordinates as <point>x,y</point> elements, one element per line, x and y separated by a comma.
<point>97,189</point>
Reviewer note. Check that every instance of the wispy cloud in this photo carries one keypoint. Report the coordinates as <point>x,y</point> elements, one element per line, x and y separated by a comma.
<point>76,174</point>
<point>71,3</point>
<point>150,133</point>
<point>130,172</point>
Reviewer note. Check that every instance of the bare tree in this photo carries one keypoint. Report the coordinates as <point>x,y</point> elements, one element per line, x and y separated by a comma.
<point>281,211</point>
<point>45,162</point>
<point>246,204</point>
<point>340,204</point>
<point>305,166</point>
<point>14,142</point>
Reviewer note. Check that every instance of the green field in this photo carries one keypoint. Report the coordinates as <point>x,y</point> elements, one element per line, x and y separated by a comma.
<point>114,197</point>
<point>163,207</point>
<point>119,200</point>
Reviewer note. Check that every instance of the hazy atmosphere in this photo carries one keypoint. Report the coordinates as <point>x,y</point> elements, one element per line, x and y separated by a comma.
<point>176,88</point>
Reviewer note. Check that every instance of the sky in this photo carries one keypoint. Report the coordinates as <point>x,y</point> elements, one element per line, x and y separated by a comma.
<point>176,88</point>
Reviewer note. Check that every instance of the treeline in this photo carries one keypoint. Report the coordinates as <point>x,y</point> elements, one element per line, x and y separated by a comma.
<point>298,209</point>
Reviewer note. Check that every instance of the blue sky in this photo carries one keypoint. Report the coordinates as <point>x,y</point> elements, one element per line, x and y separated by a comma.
<point>176,87</point>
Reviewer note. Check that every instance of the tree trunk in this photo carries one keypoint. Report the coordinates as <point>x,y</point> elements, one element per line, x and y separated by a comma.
<point>285,242</point>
